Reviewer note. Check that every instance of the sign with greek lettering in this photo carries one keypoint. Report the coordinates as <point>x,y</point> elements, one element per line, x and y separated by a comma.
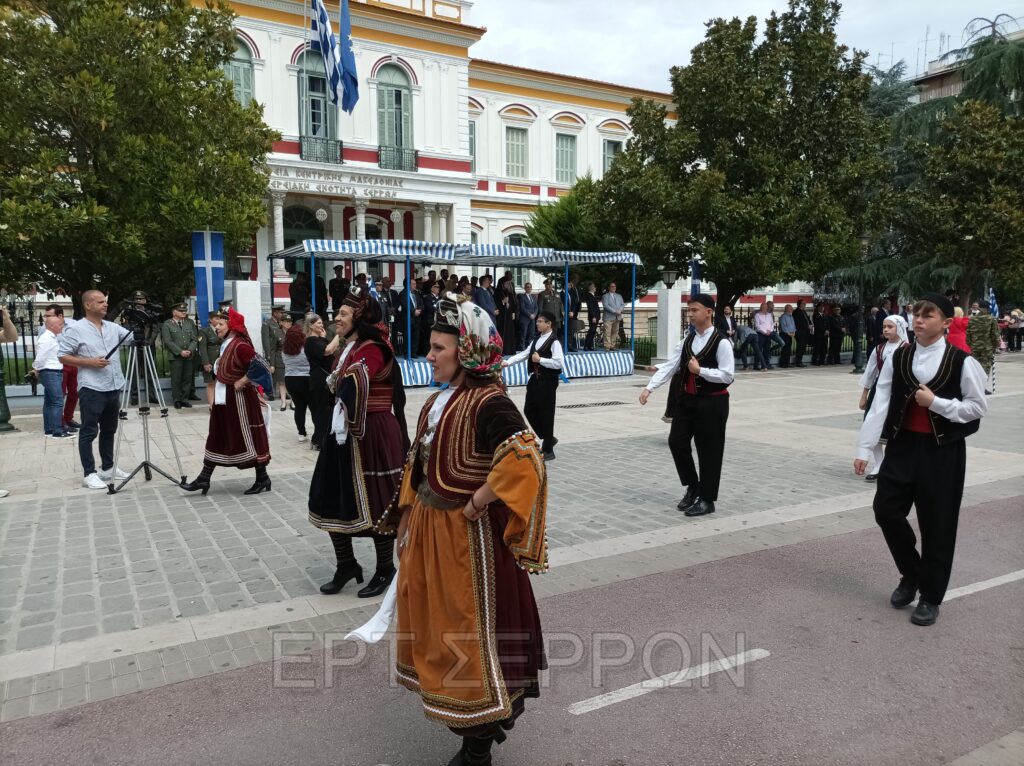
<point>335,182</point>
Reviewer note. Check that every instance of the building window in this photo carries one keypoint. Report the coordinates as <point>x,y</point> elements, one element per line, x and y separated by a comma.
<point>472,146</point>
<point>611,150</point>
<point>300,224</point>
<point>394,107</point>
<point>516,155</point>
<point>317,115</point>
<point>239,72</point>
<point>519,275</point>
<point>474,237</point>
<point>565,158</point>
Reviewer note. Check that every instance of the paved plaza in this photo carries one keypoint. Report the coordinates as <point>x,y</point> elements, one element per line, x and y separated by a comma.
<point>141,627</point>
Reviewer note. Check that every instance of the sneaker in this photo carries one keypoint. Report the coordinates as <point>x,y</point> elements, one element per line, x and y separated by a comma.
<point>68,428</point>
<point>302,438</point>
<point>73,424</point>
<point>93,481</point>
<point>4,493</point>
<point>61,435</point>
<point>106,475</point>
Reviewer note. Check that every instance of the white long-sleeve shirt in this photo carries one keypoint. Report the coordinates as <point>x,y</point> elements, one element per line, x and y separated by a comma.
<point>554,363</point>
<point>872,369</point>
<point>725,373</point>
<point>925,366</point>
<point>47,351</point>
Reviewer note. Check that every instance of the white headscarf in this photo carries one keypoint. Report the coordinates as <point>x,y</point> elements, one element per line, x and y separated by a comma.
<point>901,327</point>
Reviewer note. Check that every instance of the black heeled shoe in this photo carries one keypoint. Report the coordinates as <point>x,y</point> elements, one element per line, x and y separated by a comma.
<point>378,583</point>
<point>197,483</point>
<point>260,485</point>
<point>341,578</point>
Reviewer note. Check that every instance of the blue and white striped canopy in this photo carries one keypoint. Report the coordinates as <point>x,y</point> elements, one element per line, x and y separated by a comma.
<point>463,255</point>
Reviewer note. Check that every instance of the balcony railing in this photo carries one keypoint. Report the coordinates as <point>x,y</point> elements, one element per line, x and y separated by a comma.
<point>317,149</point>
<point>398,158</point>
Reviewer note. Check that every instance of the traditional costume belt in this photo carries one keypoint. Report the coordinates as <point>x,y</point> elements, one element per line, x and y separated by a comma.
<point>380,398</point>
<point>426,495</point>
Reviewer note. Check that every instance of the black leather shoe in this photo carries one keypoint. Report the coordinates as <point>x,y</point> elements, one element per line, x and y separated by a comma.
<point>260,485</point>
<point>177,405</point>
<point>548,456</point>
<point>378,584</point>
<point>194,398</point>
<point>187,405</point>
<point>904,594</point>
<point>74,424</point>
<point>701,508</point>
<point>688,500</point>
<point>341,577</point>
<point>871,477</point>
<point>195,484</point>
<point>925,613</point>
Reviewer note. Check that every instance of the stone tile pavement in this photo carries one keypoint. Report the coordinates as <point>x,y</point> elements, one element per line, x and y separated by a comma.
<point>113,594</point>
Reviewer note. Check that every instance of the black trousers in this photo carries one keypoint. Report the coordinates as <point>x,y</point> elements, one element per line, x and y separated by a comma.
<point>820,349</point>
<point>801,348</point>
<point>321,404</point>
<point>297,387</point>
<point>787,350</point>
<point>540,408</point>
<point>919,472</point>
<point>99,411</point>
<point>700,419</point>
<point>835,344</point>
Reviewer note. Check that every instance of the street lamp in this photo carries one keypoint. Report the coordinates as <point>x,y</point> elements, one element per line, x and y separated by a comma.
<point>245,264</point>
<point>858,351</point>
<point>668,276</point>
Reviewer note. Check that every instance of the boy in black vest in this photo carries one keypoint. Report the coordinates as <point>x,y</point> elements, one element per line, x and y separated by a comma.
<point>705,366</point>
<point>545,364</point>
<point>929,397</point>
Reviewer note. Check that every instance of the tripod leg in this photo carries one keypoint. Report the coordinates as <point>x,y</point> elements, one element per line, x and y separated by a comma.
<point>122,415</point>
<point>151,363</point>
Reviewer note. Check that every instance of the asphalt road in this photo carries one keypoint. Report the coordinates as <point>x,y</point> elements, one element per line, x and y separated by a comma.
<point>846,680</point>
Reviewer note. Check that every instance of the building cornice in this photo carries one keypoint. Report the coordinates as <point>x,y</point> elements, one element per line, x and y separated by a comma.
<point>506,74</point>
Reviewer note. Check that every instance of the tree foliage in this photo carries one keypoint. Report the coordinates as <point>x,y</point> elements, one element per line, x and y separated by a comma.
<point>119,135</point>
<point>766,171</point>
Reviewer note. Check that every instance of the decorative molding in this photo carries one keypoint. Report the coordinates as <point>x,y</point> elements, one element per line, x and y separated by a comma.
<point>398,61</point>
<point>244,36</point>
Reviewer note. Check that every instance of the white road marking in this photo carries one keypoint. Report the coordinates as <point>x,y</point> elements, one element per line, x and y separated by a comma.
<point>666,681</point>
<point>967,590</point>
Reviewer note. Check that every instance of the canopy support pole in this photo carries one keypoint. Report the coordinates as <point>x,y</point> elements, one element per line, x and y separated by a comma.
<point>270,262</point>
<point>565,312</point>
<point>632,319</point>
<point>408,309</point>
<point>312,281</point>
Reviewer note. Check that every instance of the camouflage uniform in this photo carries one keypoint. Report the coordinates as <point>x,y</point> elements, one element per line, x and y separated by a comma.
<point>983,338</point>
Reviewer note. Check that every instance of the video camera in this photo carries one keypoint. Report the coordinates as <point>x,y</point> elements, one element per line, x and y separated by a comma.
<point>138,316</point>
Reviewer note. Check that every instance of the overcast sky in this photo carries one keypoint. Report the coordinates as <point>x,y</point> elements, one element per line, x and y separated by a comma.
<point>634,42</point>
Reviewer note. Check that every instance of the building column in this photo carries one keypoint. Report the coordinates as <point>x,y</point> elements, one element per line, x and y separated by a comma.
<point>277,207</point>
<point>428,222</point>
<point>442,225</point>
<point>361,206</point>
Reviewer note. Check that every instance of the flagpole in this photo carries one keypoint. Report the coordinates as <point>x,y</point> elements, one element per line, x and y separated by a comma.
<point>303,106</point>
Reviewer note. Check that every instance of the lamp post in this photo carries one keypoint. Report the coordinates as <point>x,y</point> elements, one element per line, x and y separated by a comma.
<point>668,276</point>
<point>858,338</point>
<point>245,264</point>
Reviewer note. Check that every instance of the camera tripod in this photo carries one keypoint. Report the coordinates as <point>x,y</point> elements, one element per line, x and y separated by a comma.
<point>140,371</point>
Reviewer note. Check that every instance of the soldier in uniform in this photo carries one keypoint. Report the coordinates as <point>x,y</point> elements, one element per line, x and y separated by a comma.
<point>180,337</point>
<point>273,341</point>
<point>983,340</point>
<point>208,353</point>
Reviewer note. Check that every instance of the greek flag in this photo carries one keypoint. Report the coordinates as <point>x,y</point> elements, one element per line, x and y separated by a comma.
<point>208,267</point>
<point>339,61</point>
<point>371,285</point>
<point>993,307</point>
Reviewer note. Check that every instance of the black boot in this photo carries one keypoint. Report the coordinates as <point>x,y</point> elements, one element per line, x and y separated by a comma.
<point>261,484</point>
<point>197,483</point>
<point>378,583</point>
<point>476,751</point>
<point>341,578</point>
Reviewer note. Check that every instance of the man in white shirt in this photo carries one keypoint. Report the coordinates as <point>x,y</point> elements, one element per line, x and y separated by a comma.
<point>705,362</point>
<point>545,362</point>
<point>929,397</point>
<point>51,372</point>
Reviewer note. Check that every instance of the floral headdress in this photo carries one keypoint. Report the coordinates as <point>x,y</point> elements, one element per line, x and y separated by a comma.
<point>479,345</point>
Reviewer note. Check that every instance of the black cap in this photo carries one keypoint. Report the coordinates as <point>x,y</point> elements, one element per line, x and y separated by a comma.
<point>945,304</point>
<point>703,299</point>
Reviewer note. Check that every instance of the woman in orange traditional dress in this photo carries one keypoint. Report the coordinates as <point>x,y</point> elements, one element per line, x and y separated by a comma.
<point>470,520</point>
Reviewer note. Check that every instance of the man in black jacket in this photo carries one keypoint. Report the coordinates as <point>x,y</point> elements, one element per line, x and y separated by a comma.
<point>593,314</point>
<point>574,310</point>
<point>804,331</point>
<point>403,318</point>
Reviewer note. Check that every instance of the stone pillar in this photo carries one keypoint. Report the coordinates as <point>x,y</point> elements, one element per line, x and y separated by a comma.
<point>361,206</point>
<point>277,207</point>
<point>428,222</point>
<point>442,225</point>
<point>670,319</point>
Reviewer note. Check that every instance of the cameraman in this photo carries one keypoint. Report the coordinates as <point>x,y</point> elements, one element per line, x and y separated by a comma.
<point>140,300</point>
<point>87,345</point>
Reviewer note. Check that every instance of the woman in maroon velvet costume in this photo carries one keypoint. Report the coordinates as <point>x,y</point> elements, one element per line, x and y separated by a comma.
<point>362,453</point>
<point>238,433</point>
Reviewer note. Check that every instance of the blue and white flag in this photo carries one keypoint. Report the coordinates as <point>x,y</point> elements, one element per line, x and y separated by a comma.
<point>993,307</point>
<point>339,61</point>
<point>371,285</point>
<point>694,278</point>
<point>208,262</point>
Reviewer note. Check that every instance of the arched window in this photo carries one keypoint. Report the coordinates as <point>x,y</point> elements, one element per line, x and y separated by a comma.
<point>317,115</point>
<point>520,274</point>
<point>239,71</point>
<point>300,224</point>
<point>394,118</point>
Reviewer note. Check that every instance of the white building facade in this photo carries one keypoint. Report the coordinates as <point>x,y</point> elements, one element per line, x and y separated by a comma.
<point>440,147</point>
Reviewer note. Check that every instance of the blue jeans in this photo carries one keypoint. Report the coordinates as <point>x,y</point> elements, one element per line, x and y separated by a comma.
<point>53,401</point>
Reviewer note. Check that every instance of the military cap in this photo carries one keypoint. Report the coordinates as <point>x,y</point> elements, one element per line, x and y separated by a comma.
<point>139,295</point>
<point>180,307</point>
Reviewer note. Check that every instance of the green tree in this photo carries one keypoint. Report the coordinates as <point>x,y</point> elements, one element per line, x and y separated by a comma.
<point>120,134</point>
<point>964,220</point>
<point>766,172</point>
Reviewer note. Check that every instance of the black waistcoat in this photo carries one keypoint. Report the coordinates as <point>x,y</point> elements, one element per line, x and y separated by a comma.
<point>537,368</point>
<point>945,385</point>
<point>708,357</point>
